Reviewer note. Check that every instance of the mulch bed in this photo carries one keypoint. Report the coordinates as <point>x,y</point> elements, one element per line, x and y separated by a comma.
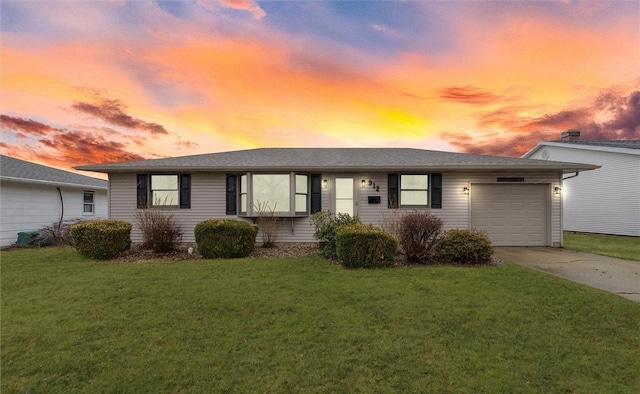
<point>292,250</point>
<point>136,253</point>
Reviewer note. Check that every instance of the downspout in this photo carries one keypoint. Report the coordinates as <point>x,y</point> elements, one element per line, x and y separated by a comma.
<point>61,208</point>
<point>572,176</point>
<point>562,207</point>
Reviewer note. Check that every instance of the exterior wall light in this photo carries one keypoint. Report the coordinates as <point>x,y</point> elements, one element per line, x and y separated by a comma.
<point>363,183</point>
<point>557,190</point>
<point>465,190</point>
<point>325,183</point>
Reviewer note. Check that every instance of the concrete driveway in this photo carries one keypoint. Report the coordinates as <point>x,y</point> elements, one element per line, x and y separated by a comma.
<point>618,276</point>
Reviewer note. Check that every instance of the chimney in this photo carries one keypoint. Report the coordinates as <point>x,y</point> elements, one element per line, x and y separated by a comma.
<point>570,135</point>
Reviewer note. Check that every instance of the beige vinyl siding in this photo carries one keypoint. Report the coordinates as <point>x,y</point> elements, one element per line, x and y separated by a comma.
<point>455,211</point>
<point>372,213</point>
<point>208,201</point>
<point>554,208</point>
<point>606,200</point>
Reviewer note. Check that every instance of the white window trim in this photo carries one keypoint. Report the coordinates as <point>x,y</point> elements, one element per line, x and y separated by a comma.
<point>93,203</point>
<point>151,190</point>
<point>250,209</point>
<point>428,190</point>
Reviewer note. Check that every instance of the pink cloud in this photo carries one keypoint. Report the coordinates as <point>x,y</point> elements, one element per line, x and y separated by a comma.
<point>113,112</point>
<point>467,94</point>
<point>245,5</point>
<point>609,115</point>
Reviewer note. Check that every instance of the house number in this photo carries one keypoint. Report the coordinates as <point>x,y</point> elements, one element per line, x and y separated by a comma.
<point>374,186</point>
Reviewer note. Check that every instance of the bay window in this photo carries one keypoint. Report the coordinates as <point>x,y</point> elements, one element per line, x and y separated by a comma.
<point>243,194</point>
<point>271,192</point>
<point>302,194</point>
<point>284,194</point>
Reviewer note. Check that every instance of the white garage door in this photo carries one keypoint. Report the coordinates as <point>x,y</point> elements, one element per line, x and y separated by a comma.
<point>513,215</point>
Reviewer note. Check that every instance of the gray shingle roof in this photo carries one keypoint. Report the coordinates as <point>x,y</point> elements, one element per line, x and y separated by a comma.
<point>336,159</point>
<point>20,170</point>
<point>625,144</point>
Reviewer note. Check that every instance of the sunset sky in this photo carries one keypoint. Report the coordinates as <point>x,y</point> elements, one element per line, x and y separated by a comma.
<point>90,82</point>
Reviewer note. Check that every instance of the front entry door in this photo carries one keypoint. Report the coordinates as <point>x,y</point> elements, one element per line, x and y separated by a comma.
<point>345,201</point>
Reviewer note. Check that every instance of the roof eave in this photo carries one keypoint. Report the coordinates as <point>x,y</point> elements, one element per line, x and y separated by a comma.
<point>458,168</point>
<point>52,183</point>
<point>579,146</point>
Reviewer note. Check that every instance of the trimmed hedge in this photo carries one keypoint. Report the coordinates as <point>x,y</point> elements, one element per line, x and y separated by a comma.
<point>361,246</point>
<point>101,239</point>
<point>225,238</point>
<point>470,247</point>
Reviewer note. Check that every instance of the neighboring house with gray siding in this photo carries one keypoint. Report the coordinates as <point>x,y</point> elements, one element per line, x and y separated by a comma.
<point>33,196</point>
<point>605,201</point>
<point>511,198</point>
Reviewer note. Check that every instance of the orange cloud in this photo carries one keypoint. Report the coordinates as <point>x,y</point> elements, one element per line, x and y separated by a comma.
<point>113,112</point>
<point>620,116</point>
<point>201,85</point>
<point>25,125</point>
<point>67,147</point>
<point>467,94</point>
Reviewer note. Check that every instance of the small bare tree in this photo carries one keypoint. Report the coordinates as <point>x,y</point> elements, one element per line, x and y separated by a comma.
<point>160,230</point>
<point>391,222</point>
<point>267,222</point>
<point>419,234</point>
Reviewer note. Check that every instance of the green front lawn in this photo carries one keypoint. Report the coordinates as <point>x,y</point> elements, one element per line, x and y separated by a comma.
<point>607,245</point>
<point>306,325</point>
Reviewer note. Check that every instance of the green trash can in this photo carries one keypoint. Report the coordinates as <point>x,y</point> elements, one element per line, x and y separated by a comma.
<point>23,238</point>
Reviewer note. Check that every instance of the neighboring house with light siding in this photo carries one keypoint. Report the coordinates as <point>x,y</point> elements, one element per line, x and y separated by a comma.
<point>605,201</point>
<point>511,198</point>
<point>33,196</point>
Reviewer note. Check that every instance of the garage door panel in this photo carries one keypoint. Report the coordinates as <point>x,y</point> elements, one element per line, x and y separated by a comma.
<point>512,215</point>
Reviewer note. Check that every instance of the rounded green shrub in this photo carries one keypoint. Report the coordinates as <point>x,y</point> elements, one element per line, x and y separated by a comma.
<point>225,238</point>
<point>326,223</point>
<point>361,246</point>
<point>101,239</point>
<point>470,247</point>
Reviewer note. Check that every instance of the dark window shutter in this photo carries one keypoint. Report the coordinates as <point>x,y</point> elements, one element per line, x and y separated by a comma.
<point>185,191</point>
<point>436,191</point>
<point>142,190</point>
<point>392,186</point>
<point>232,205</point>
<point>316,193</point>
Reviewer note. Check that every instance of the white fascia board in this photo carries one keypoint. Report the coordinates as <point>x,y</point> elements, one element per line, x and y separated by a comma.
<point>581,147</point>
<point>532,151</point>
<point>51,183</point>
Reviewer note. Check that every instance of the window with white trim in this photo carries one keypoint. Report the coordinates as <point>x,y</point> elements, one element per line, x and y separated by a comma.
<point>284,194</point>
<point>89,203</point>
<point>271,192</point>
<point>302,194</point>
<point>243,194</point>
<point>414,190</point>
<point>164,191</point>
